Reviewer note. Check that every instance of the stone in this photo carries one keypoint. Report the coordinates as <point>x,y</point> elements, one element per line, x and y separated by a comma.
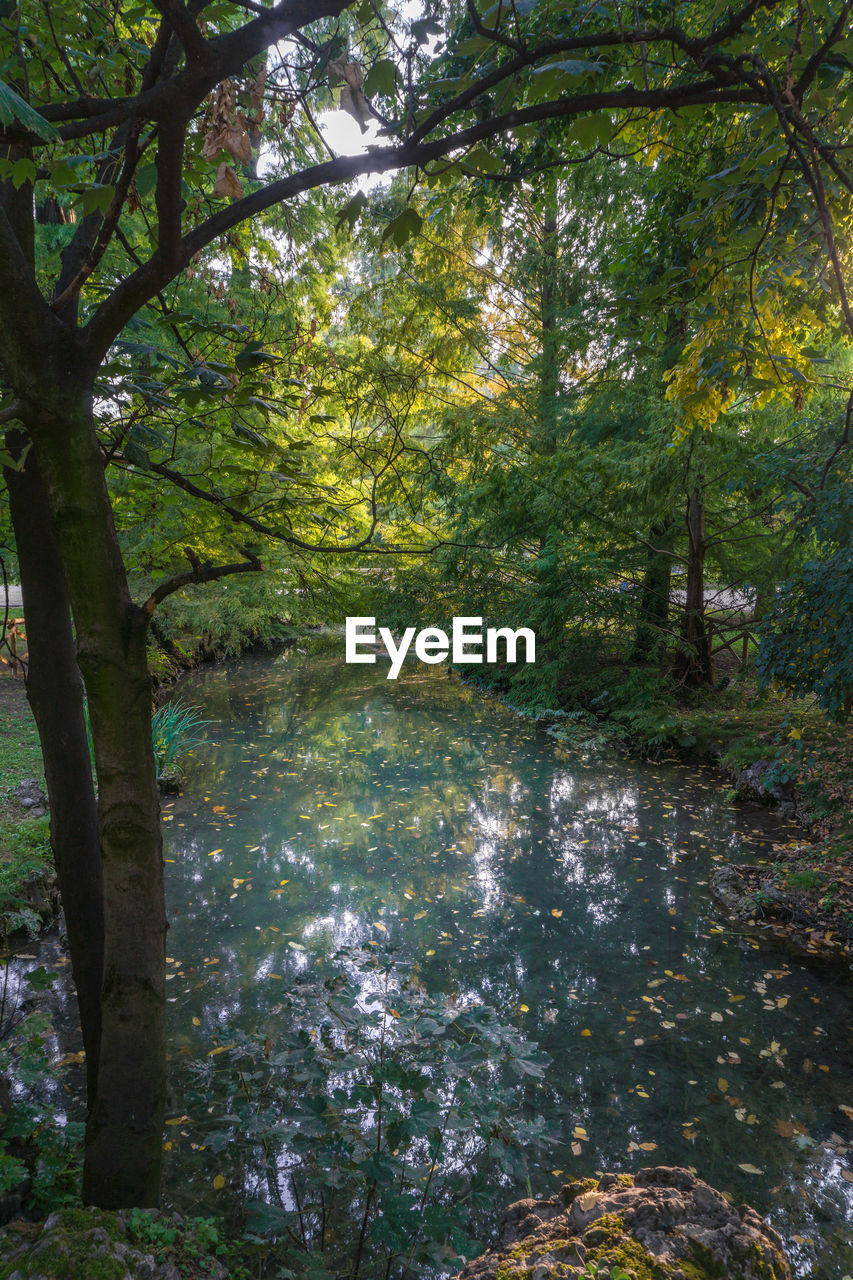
<point>95,1244</point>
<point>660,1224</point>
<point>29,795</point>
<point>756,782</point>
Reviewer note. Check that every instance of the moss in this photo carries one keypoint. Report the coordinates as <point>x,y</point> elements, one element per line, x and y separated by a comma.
<point>629,1255</point>
<point>572,1190</point>
<point>69,1251</point>
<point>604,1230</point>
<point>702,1265</point>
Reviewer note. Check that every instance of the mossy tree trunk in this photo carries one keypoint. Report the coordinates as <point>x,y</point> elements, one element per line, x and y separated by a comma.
<point>124,1132</point>
<point>55,694</point>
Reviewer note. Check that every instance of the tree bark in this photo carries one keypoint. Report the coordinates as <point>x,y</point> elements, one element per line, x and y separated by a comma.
<point>653,610</point>
<point>549,379</point>
<point>55,694</point>
<point>123,1155</point>
<point>695,665</point>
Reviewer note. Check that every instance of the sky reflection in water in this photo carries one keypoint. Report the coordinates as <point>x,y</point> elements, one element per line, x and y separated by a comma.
<point>331,806</point>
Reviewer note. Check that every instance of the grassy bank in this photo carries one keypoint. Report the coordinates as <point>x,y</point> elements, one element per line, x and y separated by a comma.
<point>26,866</point>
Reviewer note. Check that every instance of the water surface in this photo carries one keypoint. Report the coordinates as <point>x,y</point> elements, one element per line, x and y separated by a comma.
<point>331,806</point>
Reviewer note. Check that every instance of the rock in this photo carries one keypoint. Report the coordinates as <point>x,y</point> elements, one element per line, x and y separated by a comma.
<point>732,892</point>
<point>661,1224</point>
<point>30,796</point>
<point>97,1245</point>
<point>756,782</point>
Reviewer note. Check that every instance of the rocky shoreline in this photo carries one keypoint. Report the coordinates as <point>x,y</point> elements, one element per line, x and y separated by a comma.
<point>658,1224</point>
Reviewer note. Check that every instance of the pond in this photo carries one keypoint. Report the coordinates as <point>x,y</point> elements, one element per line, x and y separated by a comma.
<point>331,806</point>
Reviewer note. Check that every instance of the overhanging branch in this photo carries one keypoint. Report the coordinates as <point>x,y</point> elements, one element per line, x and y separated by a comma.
<point>200,571</point>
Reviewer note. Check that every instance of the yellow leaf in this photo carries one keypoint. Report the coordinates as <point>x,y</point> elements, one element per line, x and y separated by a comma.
<point>218,1182</point>
<point>722,1085</point>
<point>524,1008</point>
<point>556,913</point>
<point>750,1168</point>
<point>586,1032</point>
<point>196,1022</point>
<point>648,1146</point>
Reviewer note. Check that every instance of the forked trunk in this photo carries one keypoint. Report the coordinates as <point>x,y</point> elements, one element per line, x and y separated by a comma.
<point>55,693</point>
<point>123,1154</point>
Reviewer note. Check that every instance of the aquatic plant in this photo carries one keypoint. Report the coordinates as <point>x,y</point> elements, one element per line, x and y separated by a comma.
<point>176,728</point>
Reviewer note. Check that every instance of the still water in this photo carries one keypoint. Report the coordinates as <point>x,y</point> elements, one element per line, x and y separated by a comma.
<point>330,806</point>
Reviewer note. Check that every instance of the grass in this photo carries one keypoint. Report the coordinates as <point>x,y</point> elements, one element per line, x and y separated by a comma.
<point>24,842</point>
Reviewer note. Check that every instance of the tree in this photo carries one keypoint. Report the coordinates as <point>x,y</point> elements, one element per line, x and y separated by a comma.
<point>130,111</point>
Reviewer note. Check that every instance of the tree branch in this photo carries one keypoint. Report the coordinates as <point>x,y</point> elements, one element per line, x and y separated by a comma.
<point>136,289</point>
<point>200,571</point>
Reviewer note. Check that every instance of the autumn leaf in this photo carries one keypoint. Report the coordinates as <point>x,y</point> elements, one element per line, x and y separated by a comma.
<point>218,1182</point>
<point>227,185</point>
<point>750,1168</point>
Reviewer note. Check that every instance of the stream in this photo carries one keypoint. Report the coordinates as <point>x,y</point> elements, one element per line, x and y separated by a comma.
<point>330,806</point>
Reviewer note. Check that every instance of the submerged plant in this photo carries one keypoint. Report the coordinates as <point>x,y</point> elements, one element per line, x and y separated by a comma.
<point>365,1115</point>
<point>176,728</point>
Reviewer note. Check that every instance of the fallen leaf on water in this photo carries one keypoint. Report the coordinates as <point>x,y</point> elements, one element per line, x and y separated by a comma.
<point>750,1168</point>
<point>218,1182</point>
<point>586,1032</point>
<point>555,912</point>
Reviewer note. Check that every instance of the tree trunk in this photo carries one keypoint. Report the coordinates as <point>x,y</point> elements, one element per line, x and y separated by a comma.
<point>55,694</point>
<point>653,610</point>
<point>123,1154</point>
<point>695,666</point>
<point>549,379</point>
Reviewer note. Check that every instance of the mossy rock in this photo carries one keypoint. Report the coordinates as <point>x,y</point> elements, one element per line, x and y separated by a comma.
<point>662,1224</point>
<point>92,1244</point>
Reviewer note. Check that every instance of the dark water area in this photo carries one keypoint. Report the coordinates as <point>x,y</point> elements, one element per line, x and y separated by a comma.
<point>331,806</point>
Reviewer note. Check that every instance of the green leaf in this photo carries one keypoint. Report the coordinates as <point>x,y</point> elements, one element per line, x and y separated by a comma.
<point>381,79</point>
<point>13,108</point>
<point>134,453</point>
<point>146,177</point>
<point>252,354</point>
<point>403,227</point>
<point>481,161</point>
<point>351,211</point>
<point>591,131</point>
<point>553,77</point>
<point>97,198</point>
<point>62,174</point>
<point>23,171</point>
